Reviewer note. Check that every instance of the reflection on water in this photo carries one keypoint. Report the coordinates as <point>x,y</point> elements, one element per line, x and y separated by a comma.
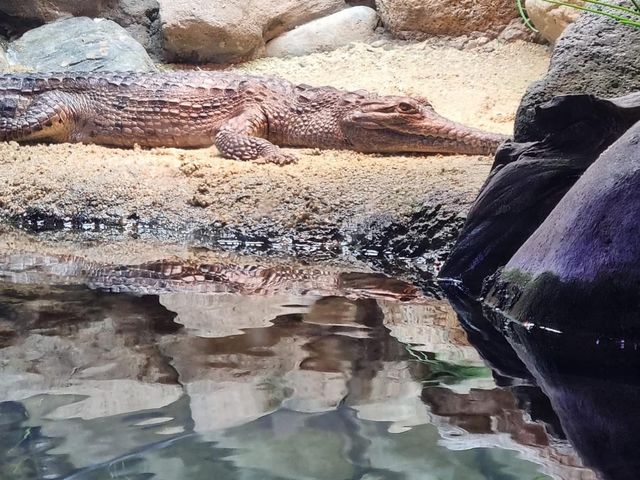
<point>185,385</point>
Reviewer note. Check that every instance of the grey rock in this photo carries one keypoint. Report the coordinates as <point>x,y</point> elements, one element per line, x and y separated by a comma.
<point>79,44</point>
<point>595,55</point>
<point>139,17</point>
<point>50,10</point>
<point>4,63</point>
<point>356,24</point>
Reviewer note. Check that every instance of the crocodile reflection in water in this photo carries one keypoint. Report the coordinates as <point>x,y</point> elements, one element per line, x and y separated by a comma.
<point>164,276</point>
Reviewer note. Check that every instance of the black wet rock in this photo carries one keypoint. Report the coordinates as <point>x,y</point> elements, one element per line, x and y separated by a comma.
<point>580,270</point>
<point>528,180</point>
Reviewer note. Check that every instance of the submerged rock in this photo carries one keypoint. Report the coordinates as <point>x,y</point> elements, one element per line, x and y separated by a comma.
<point>355,24</point>
<point>79,44</point>
<point>222,32</point>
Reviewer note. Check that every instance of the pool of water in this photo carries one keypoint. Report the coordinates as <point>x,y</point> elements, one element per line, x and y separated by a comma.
<point>363,378</point>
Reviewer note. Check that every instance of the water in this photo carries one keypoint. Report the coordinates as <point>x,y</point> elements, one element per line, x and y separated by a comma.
<point>360,379</point>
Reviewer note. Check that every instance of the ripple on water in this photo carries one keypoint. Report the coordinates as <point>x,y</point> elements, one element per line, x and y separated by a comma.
<point>312,383</point>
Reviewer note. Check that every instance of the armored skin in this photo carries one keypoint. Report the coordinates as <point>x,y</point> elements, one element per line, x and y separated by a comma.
<point>245,117</point>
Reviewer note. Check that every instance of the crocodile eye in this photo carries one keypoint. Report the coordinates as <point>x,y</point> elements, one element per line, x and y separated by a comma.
<point>406,107</point>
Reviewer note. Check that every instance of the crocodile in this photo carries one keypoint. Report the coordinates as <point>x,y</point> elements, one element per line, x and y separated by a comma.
<point>246,117</point>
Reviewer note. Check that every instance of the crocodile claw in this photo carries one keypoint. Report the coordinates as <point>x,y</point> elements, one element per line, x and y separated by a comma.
<point>278,158</point>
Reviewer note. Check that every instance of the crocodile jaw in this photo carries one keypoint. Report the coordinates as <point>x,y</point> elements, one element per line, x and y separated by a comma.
<point>426,132</point>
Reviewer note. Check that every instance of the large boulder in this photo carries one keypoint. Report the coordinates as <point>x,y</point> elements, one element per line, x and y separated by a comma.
<point>528,180</point>
<point>138,17</point>
<point>550,19</point>
<point>201,31</point>
<point>79,44</point>
<point>423,18</point>
<point>583,262</point>
<point>595,55</point>
<point>354,24</point>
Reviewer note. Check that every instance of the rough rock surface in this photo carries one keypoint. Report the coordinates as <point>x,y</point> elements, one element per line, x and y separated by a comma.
<point>517,30</point>
<point>595,55</point>
<point>4,63</point>
<point>327,33</point>
<point>528,180</point>
<point>138,17</point>
<point>50,10</point>
<point>550,19</point>
<point>580,270</point>
<point>420,18</point>
<point>591,230</point>
<point>78,44</point>
<point>201,31</point>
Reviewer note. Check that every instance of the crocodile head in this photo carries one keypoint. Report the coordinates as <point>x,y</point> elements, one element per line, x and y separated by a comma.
<point>404,124</point>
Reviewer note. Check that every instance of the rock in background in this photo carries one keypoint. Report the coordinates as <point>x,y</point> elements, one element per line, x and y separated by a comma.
<point>550,19</point>
<point>232,31</point>
<point>201,31</point>
<point>595,55</point>
<point>78,44</point>
<point>356,24</point>
<point>138,17</point>
<point>423,18</point>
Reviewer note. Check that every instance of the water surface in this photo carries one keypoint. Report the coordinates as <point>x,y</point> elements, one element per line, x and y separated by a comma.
<point>291,383</point>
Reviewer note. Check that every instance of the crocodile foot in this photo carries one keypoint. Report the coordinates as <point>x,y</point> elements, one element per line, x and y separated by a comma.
<point>277,157</point>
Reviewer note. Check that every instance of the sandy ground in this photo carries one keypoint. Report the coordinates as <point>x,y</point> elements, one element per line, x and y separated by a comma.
<point>479,87</point>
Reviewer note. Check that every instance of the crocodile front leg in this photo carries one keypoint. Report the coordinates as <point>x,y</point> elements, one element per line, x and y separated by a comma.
<point>240,138</point>
<point>48,116</point>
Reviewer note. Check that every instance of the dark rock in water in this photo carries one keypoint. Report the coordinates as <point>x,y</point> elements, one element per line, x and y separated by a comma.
<point>79,44</point>
<point>529,179</point>
<point>584,260</point>
<point>596,55</point>
<point>492,345</point>
<point>592,383</point>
